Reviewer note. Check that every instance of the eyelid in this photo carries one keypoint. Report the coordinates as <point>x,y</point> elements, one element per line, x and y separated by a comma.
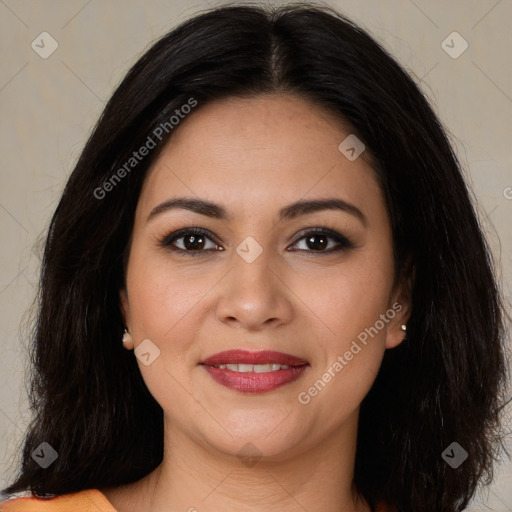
<point>343,243</point>
<point>175,235</point>
<point>331,233</point>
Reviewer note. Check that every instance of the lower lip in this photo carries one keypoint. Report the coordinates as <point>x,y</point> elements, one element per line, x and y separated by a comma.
<point>252,382</point>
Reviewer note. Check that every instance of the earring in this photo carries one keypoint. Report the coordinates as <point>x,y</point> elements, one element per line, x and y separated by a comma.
<point>403,327</point>
<point>127,340</point>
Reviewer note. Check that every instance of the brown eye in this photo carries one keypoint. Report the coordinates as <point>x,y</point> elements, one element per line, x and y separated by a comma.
<point>317,242</point>
<point>318,239</point>
<point>191,240</point>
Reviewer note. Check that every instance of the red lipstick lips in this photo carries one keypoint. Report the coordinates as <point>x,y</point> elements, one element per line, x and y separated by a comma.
<point>254,372</point>
<point>246,357</point>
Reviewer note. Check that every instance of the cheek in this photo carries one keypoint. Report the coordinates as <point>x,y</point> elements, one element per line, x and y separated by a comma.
<point>162,302</point>
<point>350,304</point>
<point>161,295</point>
<point>353,296</point>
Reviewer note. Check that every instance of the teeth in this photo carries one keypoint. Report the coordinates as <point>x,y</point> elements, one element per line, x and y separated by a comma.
<point>261,368</point>
<point>256,368</point>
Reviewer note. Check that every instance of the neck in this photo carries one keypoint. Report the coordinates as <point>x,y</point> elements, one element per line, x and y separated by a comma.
<point>194,477</point>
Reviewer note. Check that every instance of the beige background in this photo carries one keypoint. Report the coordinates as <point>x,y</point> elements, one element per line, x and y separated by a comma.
<point>48,107</point>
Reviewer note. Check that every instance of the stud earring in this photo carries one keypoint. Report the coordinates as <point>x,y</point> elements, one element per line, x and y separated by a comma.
<point>403,327</point>
<point>127,340</point>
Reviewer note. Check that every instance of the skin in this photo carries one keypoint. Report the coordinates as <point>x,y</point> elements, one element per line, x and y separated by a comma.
<point>255,156</point>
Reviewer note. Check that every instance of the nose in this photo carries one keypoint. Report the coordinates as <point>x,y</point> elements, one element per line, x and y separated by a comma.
<point>254,296</point>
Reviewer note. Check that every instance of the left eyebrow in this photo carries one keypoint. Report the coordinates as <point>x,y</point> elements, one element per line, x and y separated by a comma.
<point>305,207</point>
<point>293,210</point>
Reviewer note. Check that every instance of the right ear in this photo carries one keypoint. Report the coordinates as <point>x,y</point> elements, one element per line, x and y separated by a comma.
<point>125,307</point>
<point>125,312</point>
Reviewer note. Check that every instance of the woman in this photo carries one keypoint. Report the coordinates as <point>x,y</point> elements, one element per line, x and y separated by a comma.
<point>270,217</point>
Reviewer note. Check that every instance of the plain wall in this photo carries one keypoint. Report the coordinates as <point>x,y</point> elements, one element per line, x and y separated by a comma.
<point>49,106</point>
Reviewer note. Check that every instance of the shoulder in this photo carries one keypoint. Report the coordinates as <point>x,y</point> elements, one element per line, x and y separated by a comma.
<point>89,500</point>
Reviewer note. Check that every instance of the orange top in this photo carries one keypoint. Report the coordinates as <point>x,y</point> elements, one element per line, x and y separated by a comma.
<point>90,500</point>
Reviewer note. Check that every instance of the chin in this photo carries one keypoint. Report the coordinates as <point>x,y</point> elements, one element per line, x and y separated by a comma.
<point>273,434</point>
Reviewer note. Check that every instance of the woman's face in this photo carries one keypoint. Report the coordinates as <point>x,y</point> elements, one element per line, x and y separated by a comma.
<point>257,279</point>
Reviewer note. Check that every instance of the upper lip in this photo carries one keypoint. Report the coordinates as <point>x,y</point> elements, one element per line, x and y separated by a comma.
<point>246,357</point>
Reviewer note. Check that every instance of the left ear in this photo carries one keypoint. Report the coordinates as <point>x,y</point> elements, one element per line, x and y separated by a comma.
<point>401,303</point>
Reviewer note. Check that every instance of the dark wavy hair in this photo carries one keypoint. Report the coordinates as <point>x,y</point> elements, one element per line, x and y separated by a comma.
<point>445,383</point>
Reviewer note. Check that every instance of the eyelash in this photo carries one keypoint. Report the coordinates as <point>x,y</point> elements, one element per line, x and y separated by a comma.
<point>343,242</point>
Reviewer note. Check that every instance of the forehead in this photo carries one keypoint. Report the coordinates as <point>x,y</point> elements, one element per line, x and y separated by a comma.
<point>278,146</point>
